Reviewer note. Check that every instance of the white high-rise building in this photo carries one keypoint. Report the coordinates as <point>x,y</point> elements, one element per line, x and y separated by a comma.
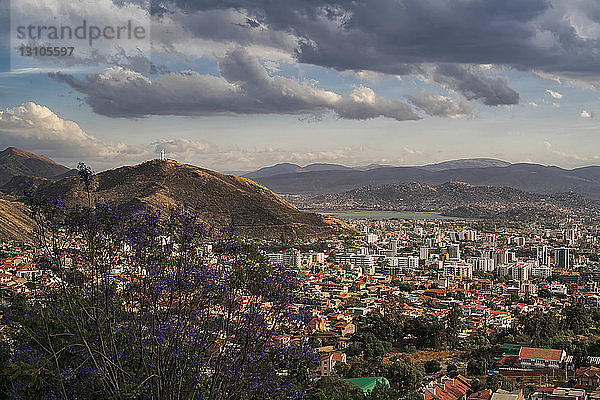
<point>520,272</point>
<point>372,238</point>
<point>543,255</point>
<point>482,264</point>
<point>541,271</point>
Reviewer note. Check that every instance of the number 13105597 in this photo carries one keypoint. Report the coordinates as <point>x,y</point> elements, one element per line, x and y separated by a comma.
<point>27,51</point>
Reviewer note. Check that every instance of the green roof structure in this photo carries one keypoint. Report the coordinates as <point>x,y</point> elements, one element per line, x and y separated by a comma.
<point>369,383</point>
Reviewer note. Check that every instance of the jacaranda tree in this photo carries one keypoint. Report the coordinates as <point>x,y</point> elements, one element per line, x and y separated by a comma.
<point>135,309</point>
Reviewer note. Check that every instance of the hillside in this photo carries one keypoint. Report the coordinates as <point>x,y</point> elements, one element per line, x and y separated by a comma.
<point>287,168</point>
<point>466,163</point>
<point>526,177</point>
<point>16,162</point>
<point>459,199</point>
<point>255,210</point>
<point>15,223</point>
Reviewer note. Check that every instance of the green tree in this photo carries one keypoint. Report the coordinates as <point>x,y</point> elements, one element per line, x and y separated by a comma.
<point>404,376</point>
<point>477,342</point>
<point>579,351</point>
<point>494,381</point>
<point>334,388</point>
<point>331,258</point>
<point>357,367</point>
<point>427,334</point>
<point>576,318</point>
<point>432,366</point>
<point>374,348</point>
<point>477,367</point>
<point>541,328</point>
<point>382,392</point>
<point>477,385</point>
<point>451,370</point>
<point>453,326</point>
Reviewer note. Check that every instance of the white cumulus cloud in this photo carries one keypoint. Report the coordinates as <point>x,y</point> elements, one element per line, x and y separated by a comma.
<point>555,95</point>
<point>36,127</point>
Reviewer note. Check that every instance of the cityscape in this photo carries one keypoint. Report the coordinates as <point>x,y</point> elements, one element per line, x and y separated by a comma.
<point>299,200</point>
<point>393,303</point>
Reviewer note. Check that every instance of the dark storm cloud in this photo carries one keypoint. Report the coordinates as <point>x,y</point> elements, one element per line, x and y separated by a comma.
<point>381,34</point>
<point>400,37</point>
<point>474,84</point>
<point>440,106</point>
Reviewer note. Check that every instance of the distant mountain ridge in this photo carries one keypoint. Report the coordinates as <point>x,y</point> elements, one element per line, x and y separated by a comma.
<point>466,163</point>
<point>459,199</point>
<point>522,176</point>
<point>493,187</point>
<point>289,168</point>
<point>17,162</point>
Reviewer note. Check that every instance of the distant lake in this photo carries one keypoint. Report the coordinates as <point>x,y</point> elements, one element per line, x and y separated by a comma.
<point>381,215</point>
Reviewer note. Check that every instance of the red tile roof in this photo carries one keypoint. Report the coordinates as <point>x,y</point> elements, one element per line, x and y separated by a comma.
<point>451,389</point>
<point>481,395</point>
<point>540,354</point>
<point>588,371</point>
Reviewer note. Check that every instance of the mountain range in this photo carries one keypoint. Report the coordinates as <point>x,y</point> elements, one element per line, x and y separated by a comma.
<point>461,200</point>
<point>17,162</point>
<point>477,172</point>
<point>288,168</point>
<point>488,187</point>
<point>221,199</point>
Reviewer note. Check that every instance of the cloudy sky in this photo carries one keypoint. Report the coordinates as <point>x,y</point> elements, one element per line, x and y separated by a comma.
<point>237,85</point>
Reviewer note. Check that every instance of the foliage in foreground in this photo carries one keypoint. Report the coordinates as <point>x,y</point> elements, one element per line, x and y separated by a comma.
<point>173,324</point>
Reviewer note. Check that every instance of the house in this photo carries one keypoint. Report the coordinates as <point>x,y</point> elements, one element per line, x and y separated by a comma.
<point>533,357</point>
<point>567,394</point>
<point>499,319</point>
<point>28,271</point>
<point>328,362</point>
<point>448,389</point>
<point>481,395</point>
<point>541,393</point>
<point>319,324</point>
<point>502,394</point>
<point>588,377</point>
<point>558,394</point>
<point>344,329</point>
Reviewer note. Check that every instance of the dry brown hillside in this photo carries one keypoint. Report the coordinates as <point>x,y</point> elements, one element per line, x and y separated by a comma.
<point>255,210</point>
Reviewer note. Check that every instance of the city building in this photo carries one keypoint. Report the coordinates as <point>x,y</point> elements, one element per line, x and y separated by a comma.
<point>533,357</point>
<point>562,257</point>
<point>329,361</point>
